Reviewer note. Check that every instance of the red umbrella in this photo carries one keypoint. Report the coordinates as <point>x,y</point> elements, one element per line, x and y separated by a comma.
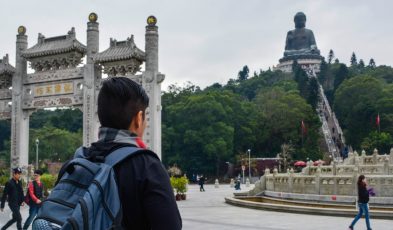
<point>300,163</point>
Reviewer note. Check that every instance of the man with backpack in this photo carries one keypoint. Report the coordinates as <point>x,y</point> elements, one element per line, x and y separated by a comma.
<point>13,190</point>
<point>137,196</point>
<point>34,197</point>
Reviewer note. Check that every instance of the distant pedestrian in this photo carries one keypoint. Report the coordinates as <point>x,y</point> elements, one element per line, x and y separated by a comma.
<point>237,184</point>
<point>363,198</point>
<point>201,183</point>
<point>14,192</point>
<point>35,195</point>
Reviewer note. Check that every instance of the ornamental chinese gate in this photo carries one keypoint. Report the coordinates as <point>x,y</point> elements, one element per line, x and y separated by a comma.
<point>61,80</point>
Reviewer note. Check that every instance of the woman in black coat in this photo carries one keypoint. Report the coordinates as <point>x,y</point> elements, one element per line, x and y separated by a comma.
<point>363,198</point>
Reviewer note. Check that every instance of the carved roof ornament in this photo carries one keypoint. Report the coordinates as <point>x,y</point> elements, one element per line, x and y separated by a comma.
<point>121,58</point>
<point>58,52</point>
<point>93,17</point>
<point>151,20</point>
<point>21,30</point>
<point>5,67</point>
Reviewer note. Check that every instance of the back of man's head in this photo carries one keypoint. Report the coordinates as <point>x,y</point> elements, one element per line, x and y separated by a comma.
<point>119,101</point>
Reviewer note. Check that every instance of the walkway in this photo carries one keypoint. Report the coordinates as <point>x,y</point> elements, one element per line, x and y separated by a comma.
<point>207,211</point>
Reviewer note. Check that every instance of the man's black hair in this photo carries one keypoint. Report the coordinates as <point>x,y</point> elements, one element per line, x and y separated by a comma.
<point>119,101</point>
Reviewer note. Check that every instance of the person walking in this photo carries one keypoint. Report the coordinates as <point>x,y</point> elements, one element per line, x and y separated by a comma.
<point>35,193</point>
<point>201,183</point>
<point>363,198</point>
<point>14,192</point>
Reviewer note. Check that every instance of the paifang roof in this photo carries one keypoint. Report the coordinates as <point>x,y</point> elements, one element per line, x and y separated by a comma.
<point>55,45</point>
<point>122,50</point>
<point>5,67</point>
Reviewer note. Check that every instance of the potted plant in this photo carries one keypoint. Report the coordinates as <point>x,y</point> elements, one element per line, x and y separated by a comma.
<point>179,184</point>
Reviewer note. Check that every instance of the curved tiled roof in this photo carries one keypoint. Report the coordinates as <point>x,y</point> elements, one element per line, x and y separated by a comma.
<point>122,50</point>
<point>5,67</point>
<point>55,45</point>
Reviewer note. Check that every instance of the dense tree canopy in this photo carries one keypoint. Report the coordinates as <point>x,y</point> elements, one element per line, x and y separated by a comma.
<point>358,95</point>
<point>202,129</point>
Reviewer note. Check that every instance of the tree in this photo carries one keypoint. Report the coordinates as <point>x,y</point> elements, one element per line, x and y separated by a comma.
<point>54,144</point>
<point>313,92</point>
<point>336,61</point>
<point>380,140</point>
<point>355,104</point>
<point>354,61</point>
<point>371,63</point>
<point>286,155</point>
<point>243,74</point>
<point>340,76</point>
<point>331,56</point>
<point>301,78</point>
<point>361,64</point>
<point>322,75</point>
<point>204,142</point>
<point>279,114</point>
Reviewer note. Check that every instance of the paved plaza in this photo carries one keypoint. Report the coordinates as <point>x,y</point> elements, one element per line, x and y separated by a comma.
<point>207,210</point>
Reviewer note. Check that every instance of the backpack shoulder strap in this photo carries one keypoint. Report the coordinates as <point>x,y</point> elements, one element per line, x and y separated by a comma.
<point>120,154</point>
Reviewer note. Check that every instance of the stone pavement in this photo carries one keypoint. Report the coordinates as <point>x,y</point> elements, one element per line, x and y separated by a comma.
<point>208,211</point>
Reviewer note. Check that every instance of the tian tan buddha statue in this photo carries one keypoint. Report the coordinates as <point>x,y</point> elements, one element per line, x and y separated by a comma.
<point>300,41</point>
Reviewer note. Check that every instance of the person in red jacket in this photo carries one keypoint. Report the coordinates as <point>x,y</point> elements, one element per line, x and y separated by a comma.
<point>35,193</point>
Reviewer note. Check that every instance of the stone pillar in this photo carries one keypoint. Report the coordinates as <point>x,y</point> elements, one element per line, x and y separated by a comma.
<point>90,86</point>
<point>334,168</point>
<point>318,180</point>
<point>216,184</point>
<point>152,84</point>
<point>275,173</point>
<point>20,118</point>
<point>363,157</point>
<point>386,165</point>
<point>375,156</point>
<point>290,180</point>
<point>391,156</point>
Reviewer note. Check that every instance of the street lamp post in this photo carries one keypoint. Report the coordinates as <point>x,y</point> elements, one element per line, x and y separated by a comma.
<point>249,164</point>
<point>37,142</point>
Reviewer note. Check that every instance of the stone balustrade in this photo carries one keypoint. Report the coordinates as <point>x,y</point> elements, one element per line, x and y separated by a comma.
<point>335,179</point>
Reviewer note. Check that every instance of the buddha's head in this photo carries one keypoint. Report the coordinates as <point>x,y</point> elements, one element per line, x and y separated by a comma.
<point>300,20</point>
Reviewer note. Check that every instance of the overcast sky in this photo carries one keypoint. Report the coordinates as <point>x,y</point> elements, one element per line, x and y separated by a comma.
<point>208,41</point>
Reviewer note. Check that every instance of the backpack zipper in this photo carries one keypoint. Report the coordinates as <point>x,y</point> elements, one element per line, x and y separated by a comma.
<point>85,214</point>
<point>108,211</point>
<point>62,202</point>
<point>73,223</point>
<point>79,185</point>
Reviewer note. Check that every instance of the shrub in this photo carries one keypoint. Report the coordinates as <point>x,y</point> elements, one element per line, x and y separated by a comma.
<point>3,180</point>
<point>179,184</point>
<point>48,180</point>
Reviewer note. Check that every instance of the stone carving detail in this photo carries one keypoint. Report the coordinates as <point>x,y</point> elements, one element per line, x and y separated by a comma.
<point>6,72</point>
<point>54,75</point>
<point>121,68</point>
<point>5,81</point>
<point>53,102</point>
<point>5,115</point>
<point>5,94</point>
<point>56,62</point>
